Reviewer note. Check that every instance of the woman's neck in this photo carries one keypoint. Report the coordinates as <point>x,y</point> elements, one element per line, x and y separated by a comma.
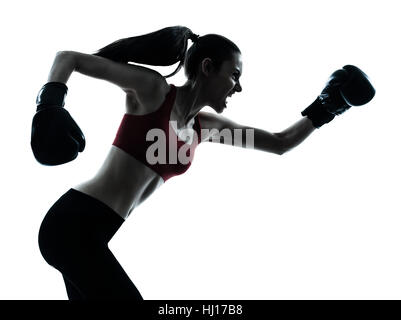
<point>187,104</point>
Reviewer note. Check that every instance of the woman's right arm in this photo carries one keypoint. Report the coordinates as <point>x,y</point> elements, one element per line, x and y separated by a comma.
<point>130,78</point>
<point>55,137</point>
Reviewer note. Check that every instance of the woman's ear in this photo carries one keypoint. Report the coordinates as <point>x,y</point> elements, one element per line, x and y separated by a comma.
<point>207,66</point>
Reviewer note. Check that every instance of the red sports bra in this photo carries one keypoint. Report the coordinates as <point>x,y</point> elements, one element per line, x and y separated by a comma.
<point>151,139</point>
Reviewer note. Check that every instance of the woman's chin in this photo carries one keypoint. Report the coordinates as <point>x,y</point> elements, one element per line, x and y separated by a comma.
<point>223,106</point>
<point>220,107</point>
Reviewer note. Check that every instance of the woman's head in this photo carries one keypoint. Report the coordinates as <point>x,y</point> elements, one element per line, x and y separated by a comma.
<point>212,59</point>
<point>213,46</point>
<point>168,46</point>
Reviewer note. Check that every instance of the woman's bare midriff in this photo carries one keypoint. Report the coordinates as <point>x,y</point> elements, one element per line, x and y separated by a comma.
<point>122,183</point>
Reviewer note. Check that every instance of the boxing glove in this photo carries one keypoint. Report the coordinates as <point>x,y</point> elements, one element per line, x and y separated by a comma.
<point>345,88</point>
<point>55,136</point>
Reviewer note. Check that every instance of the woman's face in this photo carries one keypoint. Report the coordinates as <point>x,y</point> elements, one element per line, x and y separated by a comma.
<point>224,83</point>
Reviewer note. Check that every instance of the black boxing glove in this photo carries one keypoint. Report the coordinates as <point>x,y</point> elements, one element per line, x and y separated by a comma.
<point>55,136</point>
<point>345,88</point>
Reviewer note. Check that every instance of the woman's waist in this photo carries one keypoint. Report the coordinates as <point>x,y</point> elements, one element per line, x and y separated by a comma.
<point>122,182</point>
<point>122,194</point>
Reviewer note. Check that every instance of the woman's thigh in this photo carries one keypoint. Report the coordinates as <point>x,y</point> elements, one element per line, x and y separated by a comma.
<point>97,274</point>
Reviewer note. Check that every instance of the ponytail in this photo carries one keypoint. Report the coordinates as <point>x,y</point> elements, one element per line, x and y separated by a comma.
<point>168,46</point>
<point>164,47</point>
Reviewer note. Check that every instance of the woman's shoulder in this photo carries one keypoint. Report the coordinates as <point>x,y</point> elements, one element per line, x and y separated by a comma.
<point>147,101</point>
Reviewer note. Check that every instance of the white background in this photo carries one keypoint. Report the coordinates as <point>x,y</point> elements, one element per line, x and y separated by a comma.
<point>320,222</point>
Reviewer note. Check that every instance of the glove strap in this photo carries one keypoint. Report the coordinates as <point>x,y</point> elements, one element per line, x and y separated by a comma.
<point>317,113</point>
<point>51,94</point>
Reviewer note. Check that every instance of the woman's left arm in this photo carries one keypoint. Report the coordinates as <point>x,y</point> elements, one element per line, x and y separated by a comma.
<point>219,129</point>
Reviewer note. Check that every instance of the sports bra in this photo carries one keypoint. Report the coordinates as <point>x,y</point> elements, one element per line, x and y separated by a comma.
<point>151,139</point>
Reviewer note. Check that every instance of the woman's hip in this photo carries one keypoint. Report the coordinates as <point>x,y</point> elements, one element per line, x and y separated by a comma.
<point>76,221</point>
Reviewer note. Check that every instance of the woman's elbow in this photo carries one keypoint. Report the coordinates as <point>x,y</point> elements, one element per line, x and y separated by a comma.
<point>274,143</point>
<point>282,146</point>
<point>65,53</point>
<point>278,149</point>
<point>281,151</point>
<point>66,57</point>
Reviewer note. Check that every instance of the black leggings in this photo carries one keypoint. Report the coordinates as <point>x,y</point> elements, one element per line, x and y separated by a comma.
<point>73,239</point>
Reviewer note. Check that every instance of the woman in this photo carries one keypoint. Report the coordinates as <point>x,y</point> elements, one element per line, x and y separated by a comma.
<point>75,232</point>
